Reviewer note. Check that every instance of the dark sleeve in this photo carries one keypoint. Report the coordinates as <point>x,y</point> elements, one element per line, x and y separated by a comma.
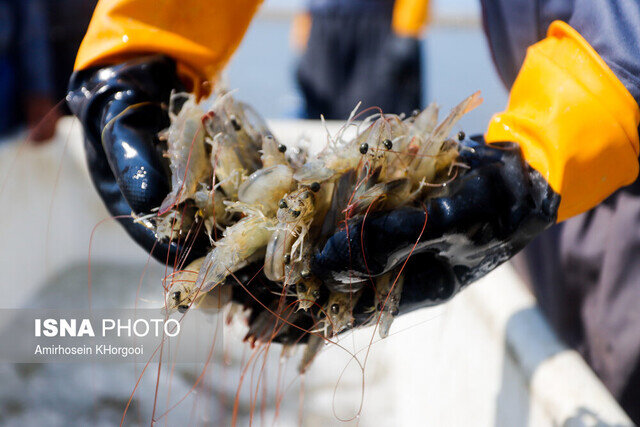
<point>34,48</point>
<point>612,27</point>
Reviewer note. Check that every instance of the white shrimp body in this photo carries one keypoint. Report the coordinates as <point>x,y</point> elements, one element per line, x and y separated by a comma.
<point>227,164</point>
<point>182,293</point>
<point>266,187</point>
<point>424,166</point>
<point>212,209</point>
<point>272,152</point>
<point>387,301</point>
<point>239,245</point>
<point>186,151</point>
<point>339,311</point>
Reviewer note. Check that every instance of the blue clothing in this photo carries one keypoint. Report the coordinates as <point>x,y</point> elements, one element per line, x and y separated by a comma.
<point>611,27</point>
<point>589,286</point>
<point>349,6</point>
<point>25,58</point>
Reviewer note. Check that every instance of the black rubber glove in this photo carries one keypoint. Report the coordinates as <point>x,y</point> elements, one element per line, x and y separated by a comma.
<point>122,108</point>
<point>477,222</point>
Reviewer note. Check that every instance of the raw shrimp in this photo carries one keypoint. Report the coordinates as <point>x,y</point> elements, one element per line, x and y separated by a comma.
<point>295,213</point>
<point>424,165</point>
<point>186,151</point>
<point>366,151</point>
<point>182,294</point>
<point>266,187</point>
<point>241,124</point>
<point>339,311</point>
<point>386,195</point>
<point>172,224</point>
<point>311,350</point>
<point>387,300</point>
<point>211,209</point>
<point>240,244</point>
<point>226,162</point>
<point>308,292</point>
<point>273,152</point>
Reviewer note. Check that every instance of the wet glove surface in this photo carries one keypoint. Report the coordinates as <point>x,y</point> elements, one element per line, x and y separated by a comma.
<point>477,222</point>
<point>122,108</point>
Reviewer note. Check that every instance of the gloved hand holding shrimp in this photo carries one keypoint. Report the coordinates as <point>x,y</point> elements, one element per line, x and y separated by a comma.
<point>263,204</point>
<point>398,217</point>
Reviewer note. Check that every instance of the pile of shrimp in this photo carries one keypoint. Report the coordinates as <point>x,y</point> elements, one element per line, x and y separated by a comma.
<point>261,204</point>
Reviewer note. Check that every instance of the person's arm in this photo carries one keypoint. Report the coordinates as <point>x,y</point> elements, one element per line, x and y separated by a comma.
<point>574,120</point>
<point>200,35</point>
<point>134,54</point>
<point>568,140</point>
<point>36,70</point>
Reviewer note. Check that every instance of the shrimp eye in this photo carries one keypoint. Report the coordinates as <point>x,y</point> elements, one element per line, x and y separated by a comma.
<point>282,148</point>
<point>287,258</point>
<point>335,308</point>
<point>387,144</point>
<point>282,204</point>
<point>302,287</point>
<point>364,147</point>
<point>295,214</point>
<point>315,187</point>
<point>183,308</point>
<point>461,136</point>
<point>235,123</point>
<point>176,296</point>
<point>305,274</point>
<point>395,311</point>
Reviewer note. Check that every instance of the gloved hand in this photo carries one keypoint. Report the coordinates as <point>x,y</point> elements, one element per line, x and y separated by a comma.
<point>481,219</point>
<point>122,108</point>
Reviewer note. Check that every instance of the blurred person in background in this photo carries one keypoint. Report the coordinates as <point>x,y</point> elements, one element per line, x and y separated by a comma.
<point>68,21</point>
<point>27,93</point>
<point>38,44</point>
<point>360,50</point>
<point>565,151</point>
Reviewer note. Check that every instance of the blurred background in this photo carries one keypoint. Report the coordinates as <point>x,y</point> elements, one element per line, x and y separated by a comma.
<point>487,358</point>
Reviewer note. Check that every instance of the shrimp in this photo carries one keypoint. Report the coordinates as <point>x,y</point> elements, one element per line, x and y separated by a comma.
<point>339,311</point>
<point>387,301</point>
<point>311,350</point>
<point>244,127</point>
<point>424,164</point>
<point>295,213</point>
<point>227,164</point>
<point>308,292</point>
<point>182,294</point>
<point>386,195</point>
<point>240,244</point>
<point>273,152</point>
<point>365,152</point>
<point>186,151</point>
<point>266,187</point>
<point>172,224</point>
<point>212,209</point>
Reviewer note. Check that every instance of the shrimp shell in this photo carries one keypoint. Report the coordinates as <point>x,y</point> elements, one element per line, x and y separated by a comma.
<point>186,151</point>
<point>183,294</point>
<point>339,310</point>
<point>266,187</point>
<point>389,298</point>
<point>241,243</point>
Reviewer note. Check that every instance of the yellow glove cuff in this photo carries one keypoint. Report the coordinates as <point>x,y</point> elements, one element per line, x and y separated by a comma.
<point>574,120</point>
<point>410,17</point>
<point>199,35</point>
